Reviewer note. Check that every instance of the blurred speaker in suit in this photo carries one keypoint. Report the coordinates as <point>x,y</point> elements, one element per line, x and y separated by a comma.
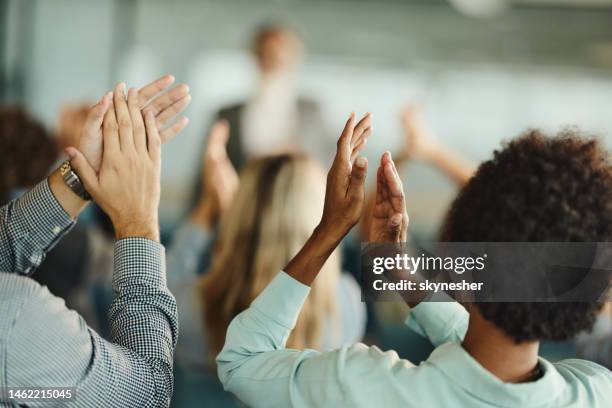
<point>275,119</point>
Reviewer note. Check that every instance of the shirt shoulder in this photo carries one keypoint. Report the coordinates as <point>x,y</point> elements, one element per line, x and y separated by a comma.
<point>49,345</point>
<point>586,375</point>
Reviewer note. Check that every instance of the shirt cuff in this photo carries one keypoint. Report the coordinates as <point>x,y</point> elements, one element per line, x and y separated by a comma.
<point>40,204</point>
<point>139,261</point>
<point>437,320</point>
<point>282,300</point>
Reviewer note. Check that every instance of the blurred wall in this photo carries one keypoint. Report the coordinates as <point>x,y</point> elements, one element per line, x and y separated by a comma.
<point>481,81</point>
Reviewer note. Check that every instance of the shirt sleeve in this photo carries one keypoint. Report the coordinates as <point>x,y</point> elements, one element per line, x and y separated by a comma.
<point>183,255</point>
<point>256,367</point>
<point>441,321</point>
<point>30,226</point>
<point>52,346</point>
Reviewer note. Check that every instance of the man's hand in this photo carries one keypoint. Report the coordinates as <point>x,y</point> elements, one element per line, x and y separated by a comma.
<point>219,177</point>
<point>345,191</point>
<point>127,186</point>
<point>389,217</point>
<point>164,106</point>
<point>344,198</point>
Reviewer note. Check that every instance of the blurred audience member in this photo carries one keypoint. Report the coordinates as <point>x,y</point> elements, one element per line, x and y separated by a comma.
<point>266,216</point>
<point>275,119</point>
<point>597,345</point>
<point>27,152</point>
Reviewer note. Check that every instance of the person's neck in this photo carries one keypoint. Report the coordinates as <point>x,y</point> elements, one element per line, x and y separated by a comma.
<point>498,353</point>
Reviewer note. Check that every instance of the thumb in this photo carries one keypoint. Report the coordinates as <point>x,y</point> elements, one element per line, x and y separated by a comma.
<point>83,169</point>
<point>356,188</point>
<point>394,227</point>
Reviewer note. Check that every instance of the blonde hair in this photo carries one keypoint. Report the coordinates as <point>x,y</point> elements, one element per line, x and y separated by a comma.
<point>279,203</point>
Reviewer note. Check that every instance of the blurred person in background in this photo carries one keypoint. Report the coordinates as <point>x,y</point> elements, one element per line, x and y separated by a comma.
<point>275,119</point>
<point>265,216</point>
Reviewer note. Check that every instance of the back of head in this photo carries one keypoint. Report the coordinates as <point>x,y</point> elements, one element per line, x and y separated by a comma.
<point>278,204</point>
<point>537,189</point>
<point>27,151</point>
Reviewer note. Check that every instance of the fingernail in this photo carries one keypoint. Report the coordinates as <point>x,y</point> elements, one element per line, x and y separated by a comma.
<point>70,153</point>
<point>396,220</point>
<point>361,161</point>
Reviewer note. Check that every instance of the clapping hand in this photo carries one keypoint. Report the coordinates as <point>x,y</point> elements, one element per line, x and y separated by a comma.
<point>220,179</point>
<point>345,191</point>
<point>164,104</point>
<point>127,184</point>
<point>344,200</point>
<point>420,141</point>
<point>389,221</point>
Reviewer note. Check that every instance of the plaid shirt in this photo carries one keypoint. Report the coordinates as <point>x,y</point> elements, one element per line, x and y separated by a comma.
<point>44,344</point>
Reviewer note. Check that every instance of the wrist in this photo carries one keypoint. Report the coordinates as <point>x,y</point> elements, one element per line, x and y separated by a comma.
<point>134,228</point>
<point>65,196</point>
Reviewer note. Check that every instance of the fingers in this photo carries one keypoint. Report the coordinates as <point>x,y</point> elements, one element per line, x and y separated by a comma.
<point>356,188</point>
<point>177,127</point>
<point>126,137</point>
<point>96,114</point>
<point>110,132</point>
<point>343,151</point>
<point>83,169</point>
<point>153,137</point>
<point>394,228</point>
<point>139,135</point>
<point>361,144</point>
<point>173,110</point>
<point>150,90</point>
<point>360,129</point>
<point>167,98</point>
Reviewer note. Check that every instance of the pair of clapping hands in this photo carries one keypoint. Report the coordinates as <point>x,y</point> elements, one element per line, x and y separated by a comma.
<point>344,196</point>
<point>118,158</point>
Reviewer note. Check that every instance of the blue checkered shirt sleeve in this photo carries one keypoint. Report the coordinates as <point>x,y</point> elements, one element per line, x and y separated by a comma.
<point>48,345</point>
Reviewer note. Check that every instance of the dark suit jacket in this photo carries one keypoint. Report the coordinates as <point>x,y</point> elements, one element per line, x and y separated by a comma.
<point>310,129</point>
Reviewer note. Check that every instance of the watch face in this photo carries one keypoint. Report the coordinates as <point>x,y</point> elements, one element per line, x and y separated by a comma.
<point>65,168</point>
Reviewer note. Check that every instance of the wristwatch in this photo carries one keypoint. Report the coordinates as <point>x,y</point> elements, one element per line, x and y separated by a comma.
<point>73,181</point>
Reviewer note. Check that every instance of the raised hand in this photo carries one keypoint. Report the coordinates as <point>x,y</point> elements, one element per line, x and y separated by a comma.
<point>127,186</point>
<point>344,198</point>
<point>420,141</point>
<point>345,191</point>
<point>164,103</point>
<point>389,221</point>
<point>219,177</point>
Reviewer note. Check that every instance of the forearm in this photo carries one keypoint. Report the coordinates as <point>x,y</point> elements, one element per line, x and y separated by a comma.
<point>307,264</point>
<point>441,321</point>
<point>452,166</point>
<point>143,317</point>
<point>184,254</point>
<point>30,226</point>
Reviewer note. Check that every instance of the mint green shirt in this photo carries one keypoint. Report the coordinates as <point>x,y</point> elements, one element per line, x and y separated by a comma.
<point>256,367</point>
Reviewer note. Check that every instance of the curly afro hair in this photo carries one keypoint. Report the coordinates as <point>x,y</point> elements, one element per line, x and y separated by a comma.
<point>538,189</point>
<point>27,150</point>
